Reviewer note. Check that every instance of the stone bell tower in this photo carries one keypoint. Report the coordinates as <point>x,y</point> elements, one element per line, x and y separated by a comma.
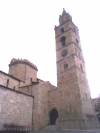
<point>77,111</point>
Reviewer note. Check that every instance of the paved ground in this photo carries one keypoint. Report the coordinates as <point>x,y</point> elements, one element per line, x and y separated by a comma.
<point>54,129</point>
<point>70,131</point>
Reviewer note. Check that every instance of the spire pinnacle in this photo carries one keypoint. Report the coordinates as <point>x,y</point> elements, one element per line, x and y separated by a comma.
<point>64,11</point>
<point>64,17</point>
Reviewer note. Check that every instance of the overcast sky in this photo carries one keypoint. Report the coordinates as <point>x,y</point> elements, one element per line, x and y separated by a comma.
<point>27,31</point>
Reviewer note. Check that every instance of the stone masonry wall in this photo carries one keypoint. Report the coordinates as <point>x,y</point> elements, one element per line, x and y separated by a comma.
<point>23,72</point>
<point>9,81</point>
<point>40,92</point>
<point>15,108</point>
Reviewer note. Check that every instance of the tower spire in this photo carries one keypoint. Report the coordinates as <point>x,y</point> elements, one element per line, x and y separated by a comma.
<point>64,17</point>
<point>64,12</point>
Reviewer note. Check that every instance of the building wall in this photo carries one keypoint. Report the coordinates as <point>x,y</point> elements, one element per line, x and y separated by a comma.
<point>9,81</point>
<point>55,102</point>
<point>15,108</point>
<point>40,92</point>
<point>18,71</point>
<point>96,104</point>
<point>31,73</point>
<point>40,110</point>
<point>23,72</point>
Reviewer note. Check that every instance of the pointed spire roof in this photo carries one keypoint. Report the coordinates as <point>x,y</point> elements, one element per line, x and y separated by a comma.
<point>64,12</point>
<point>64,17</point>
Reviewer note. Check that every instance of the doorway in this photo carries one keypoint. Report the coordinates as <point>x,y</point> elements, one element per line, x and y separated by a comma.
<point>53,115</point>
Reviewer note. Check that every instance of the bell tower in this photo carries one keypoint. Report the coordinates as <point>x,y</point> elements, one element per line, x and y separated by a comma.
<point>69,53</point>
<point>77,110</point>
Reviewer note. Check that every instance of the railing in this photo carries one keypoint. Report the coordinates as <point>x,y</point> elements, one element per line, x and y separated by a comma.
<point>15,129</point>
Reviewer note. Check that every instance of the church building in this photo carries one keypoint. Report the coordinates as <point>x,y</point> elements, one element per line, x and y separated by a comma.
<point>29,102</point>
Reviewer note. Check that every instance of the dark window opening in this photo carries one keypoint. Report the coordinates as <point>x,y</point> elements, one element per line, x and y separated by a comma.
<point>7,82</point>
<point>31,80</point>
<point>53,115</point>
<point>14,87</point>
<point>65,66</point>
<point>64,53</point>
<point>62,30</point>
<point>63,39</point>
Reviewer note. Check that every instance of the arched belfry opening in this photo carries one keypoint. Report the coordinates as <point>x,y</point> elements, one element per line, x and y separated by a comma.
<point>53,115</point>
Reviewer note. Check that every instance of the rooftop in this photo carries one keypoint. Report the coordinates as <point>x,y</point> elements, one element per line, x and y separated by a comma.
<point>22,61</point>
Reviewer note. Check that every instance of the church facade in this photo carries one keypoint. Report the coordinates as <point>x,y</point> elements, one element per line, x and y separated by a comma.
<point>29,102</point>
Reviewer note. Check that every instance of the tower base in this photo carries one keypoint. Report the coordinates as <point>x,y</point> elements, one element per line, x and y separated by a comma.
<point>80,123</point>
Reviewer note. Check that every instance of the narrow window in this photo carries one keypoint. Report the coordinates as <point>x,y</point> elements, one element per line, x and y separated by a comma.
<point>62,30</point>
<point>65,66</point>
<point>31,80</point>
<point>7,82</point>
<point>14,87</point>
<point>63,40</point>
